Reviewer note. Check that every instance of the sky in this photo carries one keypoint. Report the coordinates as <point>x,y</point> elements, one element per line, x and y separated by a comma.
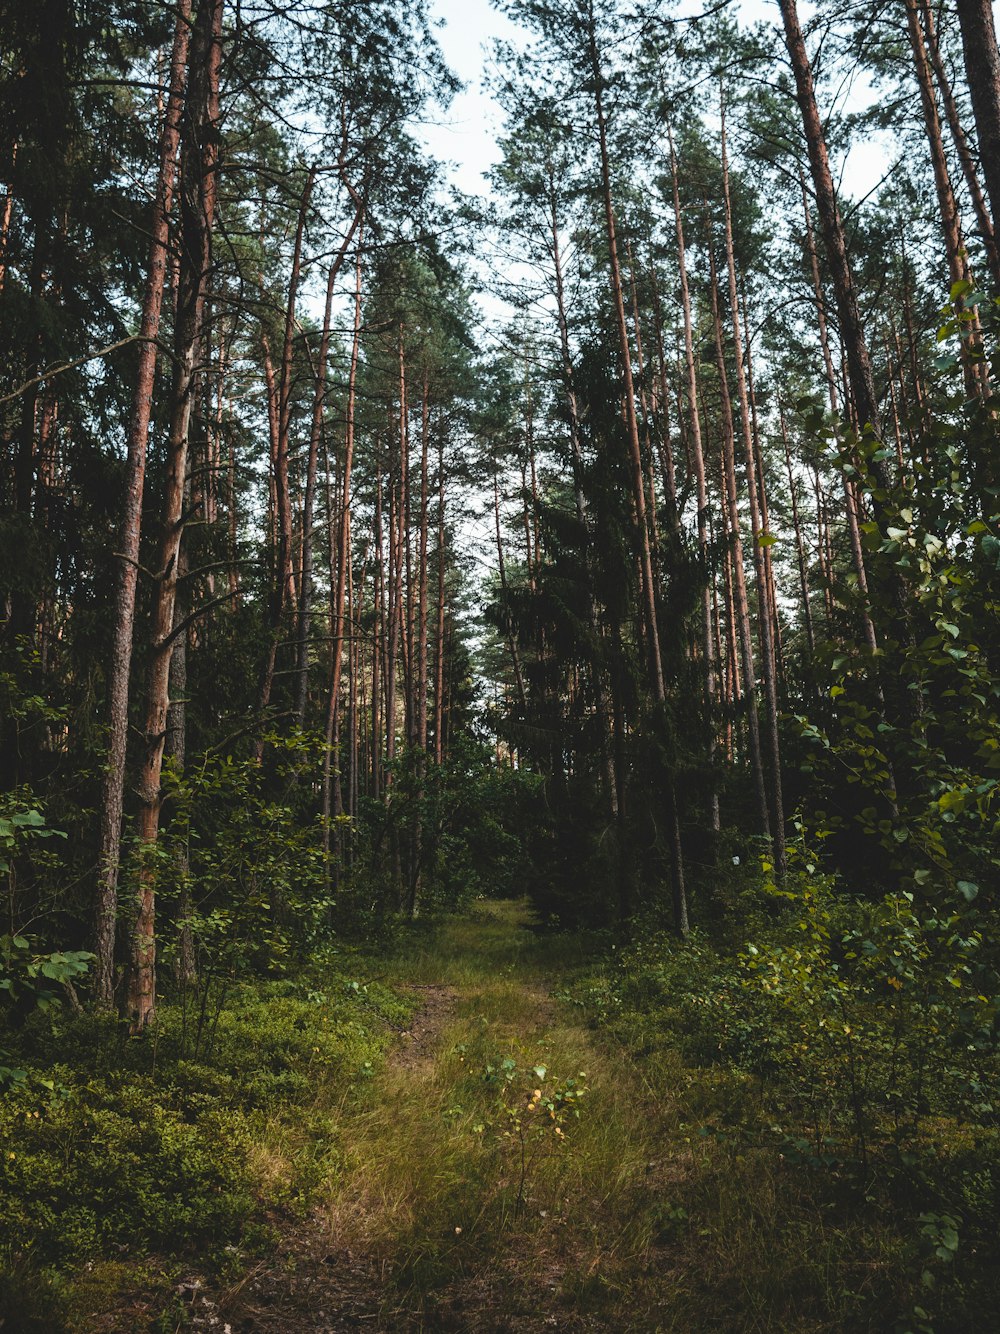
<point>466,135</point>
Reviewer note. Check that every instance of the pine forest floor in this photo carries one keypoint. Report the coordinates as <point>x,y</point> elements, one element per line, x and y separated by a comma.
<point>509,1166</point>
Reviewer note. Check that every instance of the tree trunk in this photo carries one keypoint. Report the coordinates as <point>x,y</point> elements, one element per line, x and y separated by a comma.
<point>120,662</point>
<point>343,559</point>
<point>982,68</point>
<point>199,156</point>
<point>765,626</point>
<point>983,221</point>
<point>439,635</point>
<point>628,386</point>
<point>954,245</point>
<point>576,449</point>
<point>851,330</point>
<point>741,611</point>
<point>283,592</point>
<point>697,455</point>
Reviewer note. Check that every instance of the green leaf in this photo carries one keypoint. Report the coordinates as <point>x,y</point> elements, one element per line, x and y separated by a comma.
<point>967,889</point>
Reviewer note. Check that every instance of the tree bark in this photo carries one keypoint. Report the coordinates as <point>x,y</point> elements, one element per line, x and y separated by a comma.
<point>851,329</point>
<point>120,662</point>
<point>199,157</point>
<point>982,67</point>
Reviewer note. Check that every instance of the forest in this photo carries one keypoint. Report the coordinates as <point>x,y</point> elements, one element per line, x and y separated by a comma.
<point>500,692</point>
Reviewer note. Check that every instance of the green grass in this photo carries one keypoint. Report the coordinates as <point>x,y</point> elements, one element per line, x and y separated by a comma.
<point>459,1172</point>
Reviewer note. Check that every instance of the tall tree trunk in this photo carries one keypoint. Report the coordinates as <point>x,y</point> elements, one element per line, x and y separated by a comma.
<point>199,157</point>
<point>315,433</point>
<point>984,223</point>
<point>635,453</point>
<point>580,498</point>
<point>628,386</point>
<point>765,626</point>
<point>954,245</point>
<point>741,613</point>
<point>283,592</point>
<point>697,454</point>
<point>850,504</point>
<point>439,634</point>
<point>120,662</point>
<point>982,67</point>
<point>851,329</point>
<point>343,559</point>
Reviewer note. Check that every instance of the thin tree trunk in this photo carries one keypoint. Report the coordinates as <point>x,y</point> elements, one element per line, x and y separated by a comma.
<point>800,550</point>
<point>697,453</point>
<point>631,419</point>
<point>765,625</point>
<point>439,635</point>
<point>740,600</point>
<point>319,403</point>
<point>332,751</point>
<point>283,591</point>
<point>579,494</point>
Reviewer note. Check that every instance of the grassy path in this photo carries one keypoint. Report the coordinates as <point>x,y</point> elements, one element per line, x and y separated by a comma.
<point>501,1172</point>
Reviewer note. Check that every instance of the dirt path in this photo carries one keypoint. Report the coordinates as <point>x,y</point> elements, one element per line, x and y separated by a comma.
<point>497,1177</point>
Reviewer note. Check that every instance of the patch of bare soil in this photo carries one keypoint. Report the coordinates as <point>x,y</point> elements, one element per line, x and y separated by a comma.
<point>437,1004</point>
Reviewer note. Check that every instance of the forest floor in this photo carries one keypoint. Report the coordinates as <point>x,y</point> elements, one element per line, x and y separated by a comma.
<point>510,1148</point>
<point>466,1200</point>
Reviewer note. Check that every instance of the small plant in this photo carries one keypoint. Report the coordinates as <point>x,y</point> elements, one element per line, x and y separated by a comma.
<point>533,1113</point>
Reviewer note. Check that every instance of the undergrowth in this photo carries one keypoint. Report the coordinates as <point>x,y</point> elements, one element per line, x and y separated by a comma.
<point>176,1144</point>
<point>640,1138</point>
<point>831,1183</point>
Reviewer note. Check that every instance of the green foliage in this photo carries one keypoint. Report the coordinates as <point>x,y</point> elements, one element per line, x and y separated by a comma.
<point>26,972</point>
<point>532,1110</point>
<point>851,1037</point>
<point>460,830</point>
<point>113,1144</point>
<point>253,880</point>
